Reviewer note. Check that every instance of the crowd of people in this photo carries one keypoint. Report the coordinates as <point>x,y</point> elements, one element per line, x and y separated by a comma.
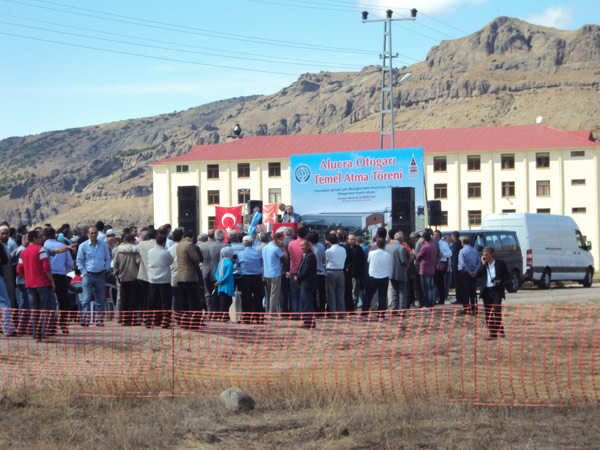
<point>170,277</point>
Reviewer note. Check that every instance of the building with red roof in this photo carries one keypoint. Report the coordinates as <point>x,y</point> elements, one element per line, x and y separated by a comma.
<point>472,171</point>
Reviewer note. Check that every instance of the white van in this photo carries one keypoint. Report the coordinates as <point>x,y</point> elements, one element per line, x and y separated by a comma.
<point>553,248</point>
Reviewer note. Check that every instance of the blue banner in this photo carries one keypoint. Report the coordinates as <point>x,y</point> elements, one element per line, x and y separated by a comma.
<point>355,183</point>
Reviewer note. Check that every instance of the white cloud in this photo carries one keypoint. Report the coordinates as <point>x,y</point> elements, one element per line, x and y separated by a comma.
<point>424,6</point>
<point>555,16</point>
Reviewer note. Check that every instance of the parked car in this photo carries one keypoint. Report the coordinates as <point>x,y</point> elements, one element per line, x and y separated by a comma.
<point>554,248</point>
<point>506,247</point>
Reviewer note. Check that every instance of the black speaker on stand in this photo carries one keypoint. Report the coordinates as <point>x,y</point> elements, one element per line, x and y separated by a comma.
<point>187,212</point>
<point>434,212</point>
<point>403,209</point>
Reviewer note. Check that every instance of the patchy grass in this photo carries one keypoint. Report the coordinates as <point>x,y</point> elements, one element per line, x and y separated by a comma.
<point>42,419</point>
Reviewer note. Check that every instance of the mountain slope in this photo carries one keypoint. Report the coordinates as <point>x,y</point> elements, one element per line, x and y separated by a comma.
<point>507,73</point>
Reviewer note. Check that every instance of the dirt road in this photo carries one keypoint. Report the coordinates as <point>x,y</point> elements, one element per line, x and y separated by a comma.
<point>569,294</point>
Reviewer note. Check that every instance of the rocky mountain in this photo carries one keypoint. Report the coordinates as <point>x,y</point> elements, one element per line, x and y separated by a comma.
<point>508,73</point>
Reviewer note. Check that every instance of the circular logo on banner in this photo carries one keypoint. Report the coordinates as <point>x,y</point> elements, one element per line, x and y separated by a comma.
<point>302,173</point>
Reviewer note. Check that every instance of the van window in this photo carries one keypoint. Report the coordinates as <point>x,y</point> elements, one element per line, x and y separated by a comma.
<point>509,243</point>
<point>493,240</point>
<point>479,242</point>
<point>580,240</point>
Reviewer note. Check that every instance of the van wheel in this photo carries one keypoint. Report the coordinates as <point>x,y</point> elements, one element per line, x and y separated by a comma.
<point>544,282</point>
<point>515,282</point>
<point>589,276</point>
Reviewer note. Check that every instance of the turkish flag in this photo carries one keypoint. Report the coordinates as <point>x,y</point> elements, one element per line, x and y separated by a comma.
<point>269,213</point>
<point>228,218</point>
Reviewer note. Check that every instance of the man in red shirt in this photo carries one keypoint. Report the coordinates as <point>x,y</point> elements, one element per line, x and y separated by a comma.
<point>426,258</point>
<point>34,266</point>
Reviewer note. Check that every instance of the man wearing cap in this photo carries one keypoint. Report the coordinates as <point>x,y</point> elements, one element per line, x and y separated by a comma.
<point>250,264</point>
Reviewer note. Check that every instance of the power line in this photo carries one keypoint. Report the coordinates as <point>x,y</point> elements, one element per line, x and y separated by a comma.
<point>335,65</point>
<point>147,56</point>
<point>445,23</point>
<point>192,30</point>
<point>270,2</point>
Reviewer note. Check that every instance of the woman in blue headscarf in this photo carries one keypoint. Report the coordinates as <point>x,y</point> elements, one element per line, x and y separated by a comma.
<point>224,284</point>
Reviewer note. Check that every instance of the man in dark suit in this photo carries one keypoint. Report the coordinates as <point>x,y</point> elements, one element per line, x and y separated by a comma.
<point>306,277</point>
<point>456,246</point>
<point>493,276</point>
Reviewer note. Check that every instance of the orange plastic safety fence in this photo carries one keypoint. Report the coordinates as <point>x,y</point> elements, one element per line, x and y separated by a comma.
<point>548,356</point>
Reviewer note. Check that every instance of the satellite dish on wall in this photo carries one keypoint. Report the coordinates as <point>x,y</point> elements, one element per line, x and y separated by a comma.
<point>539,119</point>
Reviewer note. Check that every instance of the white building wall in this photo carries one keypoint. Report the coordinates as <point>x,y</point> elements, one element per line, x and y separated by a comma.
<point>563,195</point>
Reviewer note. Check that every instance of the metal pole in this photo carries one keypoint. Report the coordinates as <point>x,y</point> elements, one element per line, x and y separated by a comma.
<point>387,88</point>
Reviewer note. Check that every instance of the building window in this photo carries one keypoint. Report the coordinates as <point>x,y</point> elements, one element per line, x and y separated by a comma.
<point>275,195</point>
<point>440,191</point>
<point>577,153</point>
<point>183,168</point>
<point>508,161</point>
<point>508,189</point>
<point>439,163</point>
<point>543,211</point>
<point>578,210</point>
<point>507,211</point>
<point>212,171</point>
<point>473,162</point>
<point>542,160</point>
<point>543,188</point>
<point>213,197</point>
<point>274,169</point>
<point>243,196</point>
<point>578,182</point>
<point>444,218</point>
<point>244,170</point>
<point>475,217</point>
<point>211,221</point>
<point>474,190</point>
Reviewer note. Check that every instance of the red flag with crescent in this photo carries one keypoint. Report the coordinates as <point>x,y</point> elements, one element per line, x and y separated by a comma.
<point>269,213</point>
<point>228,218</point>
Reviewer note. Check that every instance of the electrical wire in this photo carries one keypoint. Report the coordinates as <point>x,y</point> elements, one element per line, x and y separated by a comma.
<point>191,30</point>
<point>298,63</point>
<point>147,56</point>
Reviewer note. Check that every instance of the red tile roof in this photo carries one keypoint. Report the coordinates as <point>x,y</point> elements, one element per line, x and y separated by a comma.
<point>447,140</point>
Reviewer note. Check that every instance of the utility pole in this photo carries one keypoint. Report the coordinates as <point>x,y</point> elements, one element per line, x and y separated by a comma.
<point>387,107</point>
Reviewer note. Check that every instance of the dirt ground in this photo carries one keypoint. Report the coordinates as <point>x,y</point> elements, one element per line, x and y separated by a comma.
<point>302,410</point>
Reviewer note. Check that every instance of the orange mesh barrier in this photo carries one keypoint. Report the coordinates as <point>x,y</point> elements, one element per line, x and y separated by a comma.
<point>548,357</point>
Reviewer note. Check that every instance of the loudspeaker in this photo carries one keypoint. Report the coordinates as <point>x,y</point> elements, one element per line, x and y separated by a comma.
<point>252,204</point>
<point>434,212</point>
<point>403,209</point>
<point>187,200</point>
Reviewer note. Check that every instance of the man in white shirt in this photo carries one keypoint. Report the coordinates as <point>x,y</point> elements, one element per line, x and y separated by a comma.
<point>379,275</point>
<point>159,275</point>
<point>335,258</point>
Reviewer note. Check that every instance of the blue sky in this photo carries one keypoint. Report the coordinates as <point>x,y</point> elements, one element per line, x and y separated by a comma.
<point>68,63</point>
